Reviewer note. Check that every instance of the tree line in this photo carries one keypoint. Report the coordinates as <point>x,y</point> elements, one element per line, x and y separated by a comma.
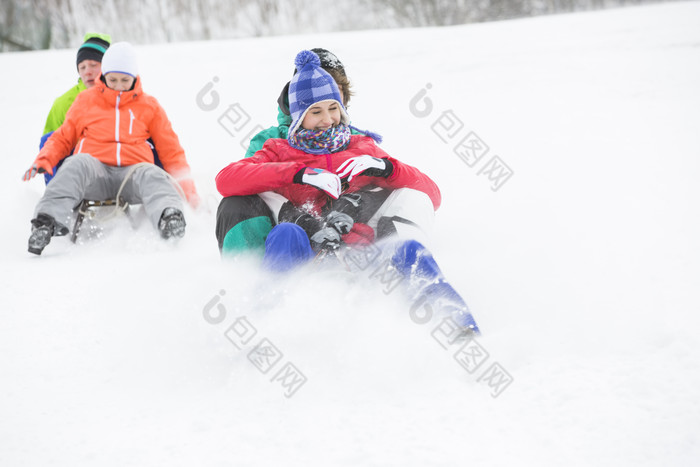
<point>53,24</point>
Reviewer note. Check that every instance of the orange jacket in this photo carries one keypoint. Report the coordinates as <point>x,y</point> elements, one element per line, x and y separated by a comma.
<point>114,127</point>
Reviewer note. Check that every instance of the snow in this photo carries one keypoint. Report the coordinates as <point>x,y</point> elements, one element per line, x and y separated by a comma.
<point>581,268</point>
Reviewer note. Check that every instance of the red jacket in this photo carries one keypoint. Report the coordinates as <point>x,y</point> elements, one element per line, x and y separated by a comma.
<point>273,168</point>
<point>114,127</point>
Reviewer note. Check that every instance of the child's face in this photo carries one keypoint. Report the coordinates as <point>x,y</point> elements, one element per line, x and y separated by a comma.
<point>119,81</point>
<point>89,71</point>
<point>322,116</point>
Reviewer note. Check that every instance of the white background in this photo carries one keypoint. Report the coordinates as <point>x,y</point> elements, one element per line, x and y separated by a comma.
<point>581,269</point>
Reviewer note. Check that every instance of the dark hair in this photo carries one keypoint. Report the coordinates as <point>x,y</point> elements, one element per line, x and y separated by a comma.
<point>343,83</point>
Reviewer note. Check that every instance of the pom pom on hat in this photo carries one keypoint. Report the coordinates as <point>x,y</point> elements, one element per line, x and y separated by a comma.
<point>311,84</point>
<point>328,62</point>
<point>306,56</point>
<point>93,48</point>
<point>120,58</point>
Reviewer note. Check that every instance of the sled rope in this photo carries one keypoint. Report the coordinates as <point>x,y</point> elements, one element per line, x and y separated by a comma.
<point>120,207</point>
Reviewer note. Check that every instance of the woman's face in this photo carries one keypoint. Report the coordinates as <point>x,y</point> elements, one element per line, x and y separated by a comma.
<point>321,116</point>
<point>119,81</point>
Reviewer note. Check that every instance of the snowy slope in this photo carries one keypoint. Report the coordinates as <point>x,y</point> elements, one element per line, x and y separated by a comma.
<point>582,268</point>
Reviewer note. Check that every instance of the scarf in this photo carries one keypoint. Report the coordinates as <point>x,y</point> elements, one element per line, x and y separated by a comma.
<point>326,141</point>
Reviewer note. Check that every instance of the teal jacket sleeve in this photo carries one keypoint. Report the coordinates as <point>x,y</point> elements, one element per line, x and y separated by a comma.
<point>258,140</point>
<point>279,131</point>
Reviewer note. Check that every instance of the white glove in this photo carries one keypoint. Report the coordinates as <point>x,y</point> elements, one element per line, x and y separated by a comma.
<point>323,180</point>
<point>362,165</point>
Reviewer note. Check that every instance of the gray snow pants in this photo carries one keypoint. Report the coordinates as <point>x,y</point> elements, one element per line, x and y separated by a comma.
<point>83,177</point>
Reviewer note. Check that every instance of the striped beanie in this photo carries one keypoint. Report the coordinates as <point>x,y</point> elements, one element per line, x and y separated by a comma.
<point>311,84</point>
<point>93,48</point>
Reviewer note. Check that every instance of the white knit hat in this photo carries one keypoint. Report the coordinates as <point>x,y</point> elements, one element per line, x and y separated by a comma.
<point>120,58</point>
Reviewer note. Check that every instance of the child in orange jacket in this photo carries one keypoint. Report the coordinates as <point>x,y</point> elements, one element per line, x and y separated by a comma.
<point>108,127</point>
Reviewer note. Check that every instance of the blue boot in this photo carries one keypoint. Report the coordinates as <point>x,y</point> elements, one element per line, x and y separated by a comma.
<point>427,283</point>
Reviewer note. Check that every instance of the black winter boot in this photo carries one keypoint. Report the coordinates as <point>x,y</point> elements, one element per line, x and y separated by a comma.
<point>172,223</point>
<point>43,228</point>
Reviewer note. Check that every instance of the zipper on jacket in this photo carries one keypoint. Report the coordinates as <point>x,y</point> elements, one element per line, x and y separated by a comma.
<point>116,131</point>
<point>131,120</point>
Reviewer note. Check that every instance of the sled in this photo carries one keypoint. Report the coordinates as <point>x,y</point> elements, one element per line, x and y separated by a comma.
<point>89,208</point>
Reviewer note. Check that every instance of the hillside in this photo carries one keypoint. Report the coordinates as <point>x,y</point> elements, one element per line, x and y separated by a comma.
<point>580,263</point>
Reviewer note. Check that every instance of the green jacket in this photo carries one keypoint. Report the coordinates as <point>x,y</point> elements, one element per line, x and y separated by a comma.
<point>60,107</point>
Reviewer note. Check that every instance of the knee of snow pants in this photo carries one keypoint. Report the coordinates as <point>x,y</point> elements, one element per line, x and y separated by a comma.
<point>242,225</point>
<point>286,247</point>
<point>150,186</point>
<point>407,213</point>
<point>79,173</point>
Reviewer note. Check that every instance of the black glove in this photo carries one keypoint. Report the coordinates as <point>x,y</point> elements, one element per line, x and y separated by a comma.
<point>320,235</point>
<point>327,238</point>
<point>341,222</point>
<point>323,233</point>
<point>349,204</point>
